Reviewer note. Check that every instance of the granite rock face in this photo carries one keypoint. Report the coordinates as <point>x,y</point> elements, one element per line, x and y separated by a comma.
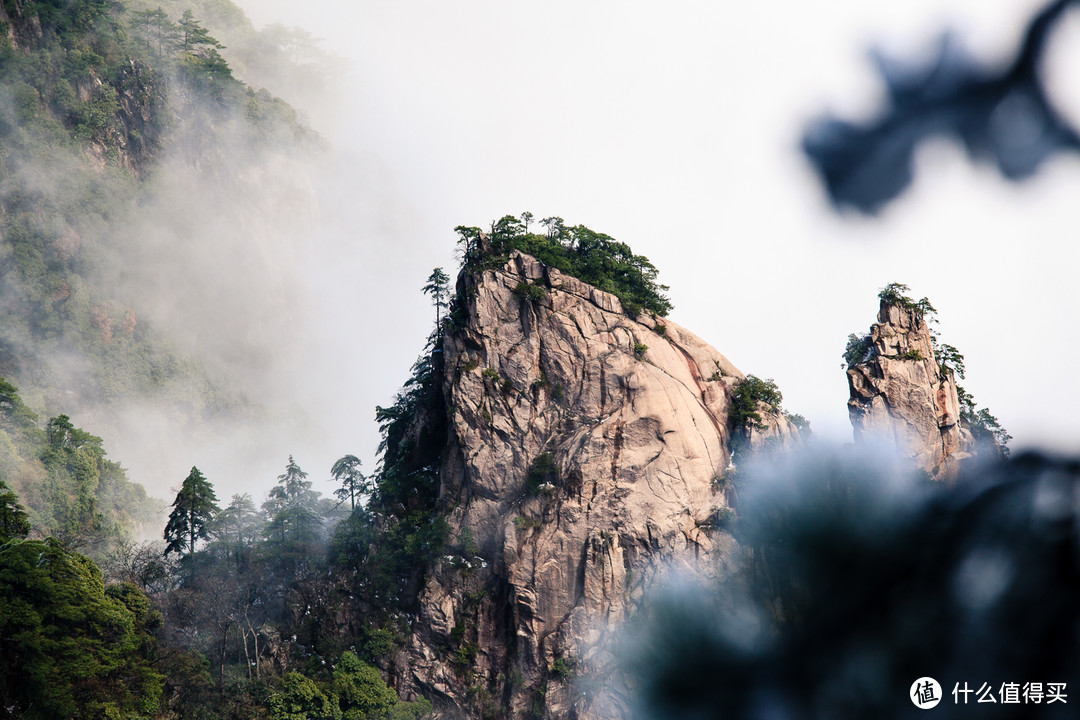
<point>585,457</point>
<point>900,395</point>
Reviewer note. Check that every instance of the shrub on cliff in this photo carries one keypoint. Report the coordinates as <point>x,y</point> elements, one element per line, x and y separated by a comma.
<point>894,294</point>
<point>592,257</point>
<point>747,399</point>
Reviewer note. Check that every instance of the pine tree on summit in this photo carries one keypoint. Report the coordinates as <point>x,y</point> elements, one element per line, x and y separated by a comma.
<point>192,515</point>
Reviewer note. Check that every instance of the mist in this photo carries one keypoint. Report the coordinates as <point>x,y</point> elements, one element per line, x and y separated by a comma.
<point>293,274</point>
<point>678,132</point>
<point>250,255</point>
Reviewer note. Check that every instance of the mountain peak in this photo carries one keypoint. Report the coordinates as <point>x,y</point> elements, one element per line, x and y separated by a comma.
<point>586,450</point>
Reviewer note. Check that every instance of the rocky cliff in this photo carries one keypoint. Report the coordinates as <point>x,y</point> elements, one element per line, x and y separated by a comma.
<point>586,454</point>
<point>900,395</point>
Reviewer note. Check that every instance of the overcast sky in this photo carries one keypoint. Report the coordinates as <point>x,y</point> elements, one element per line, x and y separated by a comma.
<point>674,127</point>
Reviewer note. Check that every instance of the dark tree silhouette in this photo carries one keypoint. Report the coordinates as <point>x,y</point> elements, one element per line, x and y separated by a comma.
<point>14,523</point>
<point>292,507</point>
<point>1003,116</point>
<point>353,482</point>
<point>438,287</point>
<point>193,512</point>
<point>854,560</point>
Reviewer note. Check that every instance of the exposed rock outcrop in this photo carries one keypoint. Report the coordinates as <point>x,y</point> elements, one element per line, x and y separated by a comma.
<point>900,395</point>
<point>586,454</point>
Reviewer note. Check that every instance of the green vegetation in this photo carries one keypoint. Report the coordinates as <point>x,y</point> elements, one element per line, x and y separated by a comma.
<point>543,474</point>
<point>438,288</point>
<point>639,351</point>
<point>984,427</point>
<point>526,523</point>
<point>746,402</point>
<point>97,90</point>
<point>948,358</point>
<point>193,514</point>
<point>592,257</point>
<point>387,546</point>
<point>800,422</point>
<point>294,529</point>
<point>14,522</point>
<point>562,669</point>
<point>527,291</point>
<point>858,350</point>
<point>724,519</point>
<point>247,624</point>
<point>71,490</point>
<point>555,390</point>
<point>894,294</point>
<point>355,691</point>
<point>69,646</point>
<point>253,617</point>
<point>360,693</point>
<point>354,485</point>
<point>191,639</point>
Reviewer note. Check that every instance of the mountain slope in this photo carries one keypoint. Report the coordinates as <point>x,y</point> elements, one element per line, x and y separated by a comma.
<point>587,451</point>
<point>155,217</point>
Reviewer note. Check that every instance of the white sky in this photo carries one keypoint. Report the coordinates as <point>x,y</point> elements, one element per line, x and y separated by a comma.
<point>674,127</point>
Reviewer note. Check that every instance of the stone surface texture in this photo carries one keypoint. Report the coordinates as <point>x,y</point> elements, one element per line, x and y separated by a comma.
<point>908,402</point>
<point>634,415</point>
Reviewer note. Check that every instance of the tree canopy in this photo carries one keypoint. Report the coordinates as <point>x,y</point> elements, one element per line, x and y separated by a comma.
<point>746,402</point>
<point>193,514</point>
<point>292,508</point>
<point>438,288</point>
<point>592,257</point>
<point>14,522</point>
<point>69,646</point>
<point>353,482</point>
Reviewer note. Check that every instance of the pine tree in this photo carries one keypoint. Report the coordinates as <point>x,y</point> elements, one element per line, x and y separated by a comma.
<point>199,50</point>
<point>193,512</point>
<point>238,526</point>
<point>353,482</point>
<point>292,507</point>
<point>438,287</point>
<point>14,523</point>
<point>158,32</point>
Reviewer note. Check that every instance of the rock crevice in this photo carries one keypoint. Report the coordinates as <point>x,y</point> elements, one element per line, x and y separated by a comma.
<point>564,375</point>
<point>899,394</point>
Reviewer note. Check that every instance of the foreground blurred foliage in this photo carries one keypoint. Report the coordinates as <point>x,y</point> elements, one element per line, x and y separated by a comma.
<point>1003,115</point>
<point>861,578</point>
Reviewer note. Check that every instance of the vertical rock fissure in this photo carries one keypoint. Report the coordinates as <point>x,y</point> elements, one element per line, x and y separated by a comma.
<point>899,394</point>
<point>565,553</point>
